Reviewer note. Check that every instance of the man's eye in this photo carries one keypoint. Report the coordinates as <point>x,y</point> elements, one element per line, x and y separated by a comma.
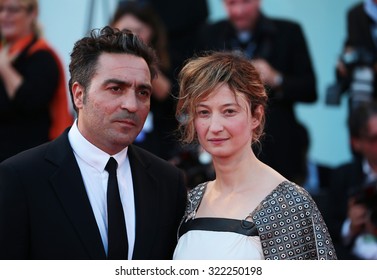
<point>145,93</point>
<point>115,89</point>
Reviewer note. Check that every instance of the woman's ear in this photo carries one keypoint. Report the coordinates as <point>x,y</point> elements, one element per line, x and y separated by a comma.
<point>257,116</point>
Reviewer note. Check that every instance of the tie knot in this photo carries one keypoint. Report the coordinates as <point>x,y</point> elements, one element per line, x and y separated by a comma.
<point>111,165</point>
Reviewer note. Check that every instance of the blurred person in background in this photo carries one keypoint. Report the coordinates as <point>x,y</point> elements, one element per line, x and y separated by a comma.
<point>33,93</point>
<point>353,190</point>
<point>357,67</point>
<point>157,133</point>
<point>280,53</point>
<point>315,175</point>
<point>183,20</point>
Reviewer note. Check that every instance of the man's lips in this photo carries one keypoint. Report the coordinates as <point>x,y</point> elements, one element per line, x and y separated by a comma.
<point>126,122</point>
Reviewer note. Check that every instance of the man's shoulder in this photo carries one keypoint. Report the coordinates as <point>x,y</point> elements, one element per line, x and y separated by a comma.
<point>214,30</point>
<point>149,159</point>
<point>144,163</point>
<point>346,167</point>
<point>285,24</point>
<point>217,24</point>
<point>33,157</point>
<point>28,156</point>
<point>26,165</point>
<point>356,10</point>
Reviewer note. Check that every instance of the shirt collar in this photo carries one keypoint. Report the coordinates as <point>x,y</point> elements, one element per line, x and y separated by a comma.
<point>91,154</point>
<point>244,36</point>
<point>369,172</point>
<point>371,9</point>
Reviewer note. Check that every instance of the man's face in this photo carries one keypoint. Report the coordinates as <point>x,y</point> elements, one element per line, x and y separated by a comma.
<point>367,144</point>
<point>112,111</point>
<point>242,13</point>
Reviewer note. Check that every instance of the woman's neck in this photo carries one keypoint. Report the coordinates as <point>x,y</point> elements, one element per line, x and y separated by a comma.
<point>233,173</point>
<point>12,40</point>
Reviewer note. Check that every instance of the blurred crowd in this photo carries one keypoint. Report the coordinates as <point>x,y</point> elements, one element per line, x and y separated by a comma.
<point>35,107</point>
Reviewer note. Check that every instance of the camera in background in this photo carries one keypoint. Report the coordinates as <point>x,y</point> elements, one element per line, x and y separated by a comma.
<point>359,80</point>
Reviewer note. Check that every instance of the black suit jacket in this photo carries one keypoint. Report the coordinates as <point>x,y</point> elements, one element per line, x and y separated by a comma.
<point>45,212</point>
<point>359,35</point>
<point>359,28</point>
<point>347,180</point>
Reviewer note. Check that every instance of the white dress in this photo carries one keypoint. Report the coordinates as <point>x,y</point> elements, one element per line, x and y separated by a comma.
<point>218,239</point>
<point>286,224</point>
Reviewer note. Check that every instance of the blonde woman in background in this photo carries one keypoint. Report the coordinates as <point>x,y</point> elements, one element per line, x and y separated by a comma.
<point>33,93</point>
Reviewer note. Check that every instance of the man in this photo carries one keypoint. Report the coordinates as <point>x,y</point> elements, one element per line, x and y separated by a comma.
<point>357,67</point>
<point>353,187</point>
<point>280,53</point>
<point>53,198</point>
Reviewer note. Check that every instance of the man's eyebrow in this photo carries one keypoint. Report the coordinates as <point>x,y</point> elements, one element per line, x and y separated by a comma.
<point>126,83</point>
<point>116,81</point>
<point>145,86</point>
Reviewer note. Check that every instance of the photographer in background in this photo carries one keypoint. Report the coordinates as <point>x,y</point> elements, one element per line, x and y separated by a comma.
<point>363,222</point>
<point>353,189</point>
<point>357,67</point>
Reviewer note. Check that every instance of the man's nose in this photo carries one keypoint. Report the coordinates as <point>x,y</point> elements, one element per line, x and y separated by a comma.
<point>129,101</point>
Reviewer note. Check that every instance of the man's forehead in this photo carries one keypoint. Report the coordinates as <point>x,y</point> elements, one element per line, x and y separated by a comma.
<point>123,63</point>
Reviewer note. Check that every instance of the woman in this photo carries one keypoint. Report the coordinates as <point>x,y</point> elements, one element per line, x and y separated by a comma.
<point>143,21</point>
<point>33,94</point>
<point>249,211</point>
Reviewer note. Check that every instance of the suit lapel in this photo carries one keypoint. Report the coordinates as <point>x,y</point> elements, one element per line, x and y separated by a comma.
<point>69,187</point>
<point>146,204</point>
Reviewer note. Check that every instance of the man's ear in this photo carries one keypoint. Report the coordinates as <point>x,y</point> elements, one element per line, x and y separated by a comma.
<point>355,144</point>
<point>78,95</point>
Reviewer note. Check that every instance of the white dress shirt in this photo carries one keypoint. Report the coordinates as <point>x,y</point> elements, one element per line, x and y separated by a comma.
<point>92,162</point>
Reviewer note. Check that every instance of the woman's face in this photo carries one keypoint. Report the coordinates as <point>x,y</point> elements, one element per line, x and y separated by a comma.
<point>224,123</point>
<point>15,20</point>
<point>142,30</point>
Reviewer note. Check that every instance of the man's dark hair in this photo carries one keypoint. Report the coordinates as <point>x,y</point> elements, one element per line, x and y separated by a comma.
<point>85,53</point>
<point>359,117</point>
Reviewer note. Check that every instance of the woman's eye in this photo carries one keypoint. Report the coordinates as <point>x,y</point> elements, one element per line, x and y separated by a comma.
<point>230,112</point>
<point>202,113</point>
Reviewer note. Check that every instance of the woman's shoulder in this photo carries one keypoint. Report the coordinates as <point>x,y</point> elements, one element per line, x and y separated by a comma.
<point>290,187</point>
<point>196,194</point>
<point>194,197</point>
<point>200,188</point>
<point>291,191</point>
<point>285,196</point>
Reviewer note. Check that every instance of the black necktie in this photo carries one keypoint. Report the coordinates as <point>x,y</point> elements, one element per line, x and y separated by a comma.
<point>116,228</point>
